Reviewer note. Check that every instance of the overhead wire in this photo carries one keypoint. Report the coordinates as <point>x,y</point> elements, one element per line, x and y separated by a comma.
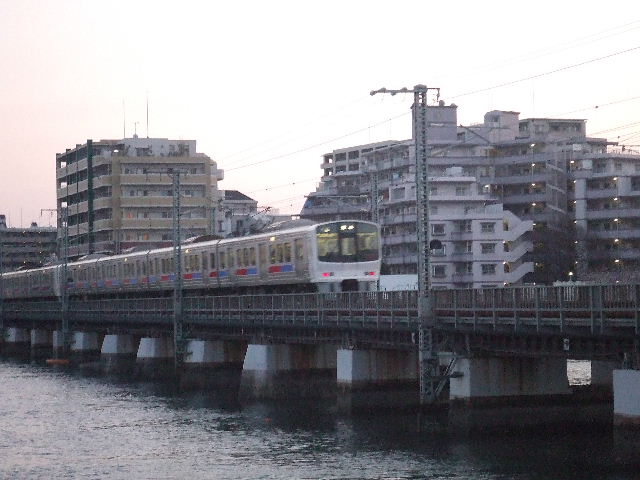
<point>316,145</point>
<point>544,74</point>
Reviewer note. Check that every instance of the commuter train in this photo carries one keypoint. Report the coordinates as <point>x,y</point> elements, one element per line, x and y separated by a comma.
<point>320,257</point>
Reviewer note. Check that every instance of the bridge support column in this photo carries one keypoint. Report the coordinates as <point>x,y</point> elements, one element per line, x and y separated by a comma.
<point>503,380</point>
<point>85,346</point>
<point>17,341</point>
<point>377,379</point>
<point>118,353</point>
<point>602,373</point>
<point>41,343</point>
<point>626,397</point>
<point>155,357</point>
<point>213,365</point>
<point>288,371</point>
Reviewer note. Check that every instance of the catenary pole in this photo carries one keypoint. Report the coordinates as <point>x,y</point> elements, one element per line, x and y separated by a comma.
<point>426,349</point>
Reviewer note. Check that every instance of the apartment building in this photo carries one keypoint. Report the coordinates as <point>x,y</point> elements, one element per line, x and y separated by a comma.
<point>25,247</point>
<point>575,190</point>
<point>118,194</point>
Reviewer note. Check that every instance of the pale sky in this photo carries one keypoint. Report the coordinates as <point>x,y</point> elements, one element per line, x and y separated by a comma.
<point>276,84</point>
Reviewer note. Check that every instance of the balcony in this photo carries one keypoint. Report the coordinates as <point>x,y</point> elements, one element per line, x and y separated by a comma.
<point>462,277</point>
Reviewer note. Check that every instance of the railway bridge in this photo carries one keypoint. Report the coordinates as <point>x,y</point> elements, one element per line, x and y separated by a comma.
<point>491,343</point>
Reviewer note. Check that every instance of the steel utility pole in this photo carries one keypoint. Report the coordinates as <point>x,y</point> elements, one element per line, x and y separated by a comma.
<point>178,334</point>
<point>426,349</point>
<point>64,293</point>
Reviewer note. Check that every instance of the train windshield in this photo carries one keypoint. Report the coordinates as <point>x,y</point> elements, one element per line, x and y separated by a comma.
<point>347,242</point>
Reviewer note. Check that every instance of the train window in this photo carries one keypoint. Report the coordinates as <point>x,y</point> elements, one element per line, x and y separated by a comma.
<point>367,242</point>
<point>223,260</point>
<point>144,268</point>
<point>245,256</point>
<point>287,252</point>
<point>230,257</point>
<point>156,261</point>
<point>272,253</point>
<point>151,270</point>
<point>279,253</point>
<point>347,242</point>
<point>298,246</point>
<point>327,239</point>
<point>348,248</point>
<point>212,260</point>
<point>204,262</point>
<point>252,256</point>
<point>195,263</point>
<point>239,257</point>
<point>138,270</point>
<point>262,253</point>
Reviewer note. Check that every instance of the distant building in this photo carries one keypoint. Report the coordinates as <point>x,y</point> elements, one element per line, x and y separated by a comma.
<point>235,209</point>
<point>582,194</point>
<point>118,193</point>
<point>25,247</point>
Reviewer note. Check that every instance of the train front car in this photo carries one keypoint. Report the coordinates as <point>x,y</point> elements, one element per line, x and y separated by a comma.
<point>346,256</point>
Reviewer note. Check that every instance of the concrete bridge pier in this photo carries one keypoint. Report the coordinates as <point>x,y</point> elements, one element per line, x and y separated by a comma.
<point>602,373</point>
<point>285,371</point>
<point>505,380</point>
<point>155,357</point>
<point>16,341</point>
<point>118,353</point>
<point>85,346</point>
<point>41,343</point>
<point>626,397</point>
<point>213,365</point>
<point>374,379</point>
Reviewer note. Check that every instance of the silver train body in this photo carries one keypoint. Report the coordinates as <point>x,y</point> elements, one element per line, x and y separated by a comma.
<point>324,257</point>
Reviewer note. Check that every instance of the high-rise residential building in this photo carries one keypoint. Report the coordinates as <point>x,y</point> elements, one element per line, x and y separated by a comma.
<point>118,194</point>
<point>580,193</point>
<point>25,247</point>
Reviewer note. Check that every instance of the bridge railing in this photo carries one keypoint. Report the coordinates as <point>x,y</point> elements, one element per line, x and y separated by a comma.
<point>378,310</point>
<point>597,308</point>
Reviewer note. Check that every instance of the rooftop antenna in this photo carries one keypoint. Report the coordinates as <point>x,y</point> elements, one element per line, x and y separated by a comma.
<point>124,121</point>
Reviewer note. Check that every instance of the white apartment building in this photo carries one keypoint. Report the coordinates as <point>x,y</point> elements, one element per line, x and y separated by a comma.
<point>118,193</point>
<point>482,244</point>
<point>576,190</point>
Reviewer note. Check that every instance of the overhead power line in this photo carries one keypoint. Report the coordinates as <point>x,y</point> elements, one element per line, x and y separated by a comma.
<point>550,72</point>
<point>284,155</point>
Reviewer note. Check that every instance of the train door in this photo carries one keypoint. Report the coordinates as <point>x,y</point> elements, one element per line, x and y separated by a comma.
<point>263,262</point>
<point>300,259</point>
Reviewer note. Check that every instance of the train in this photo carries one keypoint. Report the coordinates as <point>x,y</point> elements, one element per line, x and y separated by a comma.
<point>294,256</point>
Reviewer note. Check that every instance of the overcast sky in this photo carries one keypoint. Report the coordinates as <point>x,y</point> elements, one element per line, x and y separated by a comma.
<point>273,85</point>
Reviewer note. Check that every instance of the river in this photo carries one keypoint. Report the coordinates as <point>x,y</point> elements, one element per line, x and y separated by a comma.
<point>65,424</point>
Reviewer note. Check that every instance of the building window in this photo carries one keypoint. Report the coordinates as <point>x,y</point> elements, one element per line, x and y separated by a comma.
<point>462,191</point>
<point>488,269</point>
<point>488,227</point>
<point>438,271</point>
<point>488,247</point>
<point>437,229</point>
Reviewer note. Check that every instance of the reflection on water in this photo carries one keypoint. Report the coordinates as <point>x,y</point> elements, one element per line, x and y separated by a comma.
<point>61,424</point>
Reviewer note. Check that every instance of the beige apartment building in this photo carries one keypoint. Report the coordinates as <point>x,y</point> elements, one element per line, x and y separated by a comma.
<point>118,194</point>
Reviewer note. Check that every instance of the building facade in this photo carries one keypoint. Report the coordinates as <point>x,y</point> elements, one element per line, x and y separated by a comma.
<point>118,194</point>
<point>576,191</point>
<point>25,247</point>
<point>236,209</point>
